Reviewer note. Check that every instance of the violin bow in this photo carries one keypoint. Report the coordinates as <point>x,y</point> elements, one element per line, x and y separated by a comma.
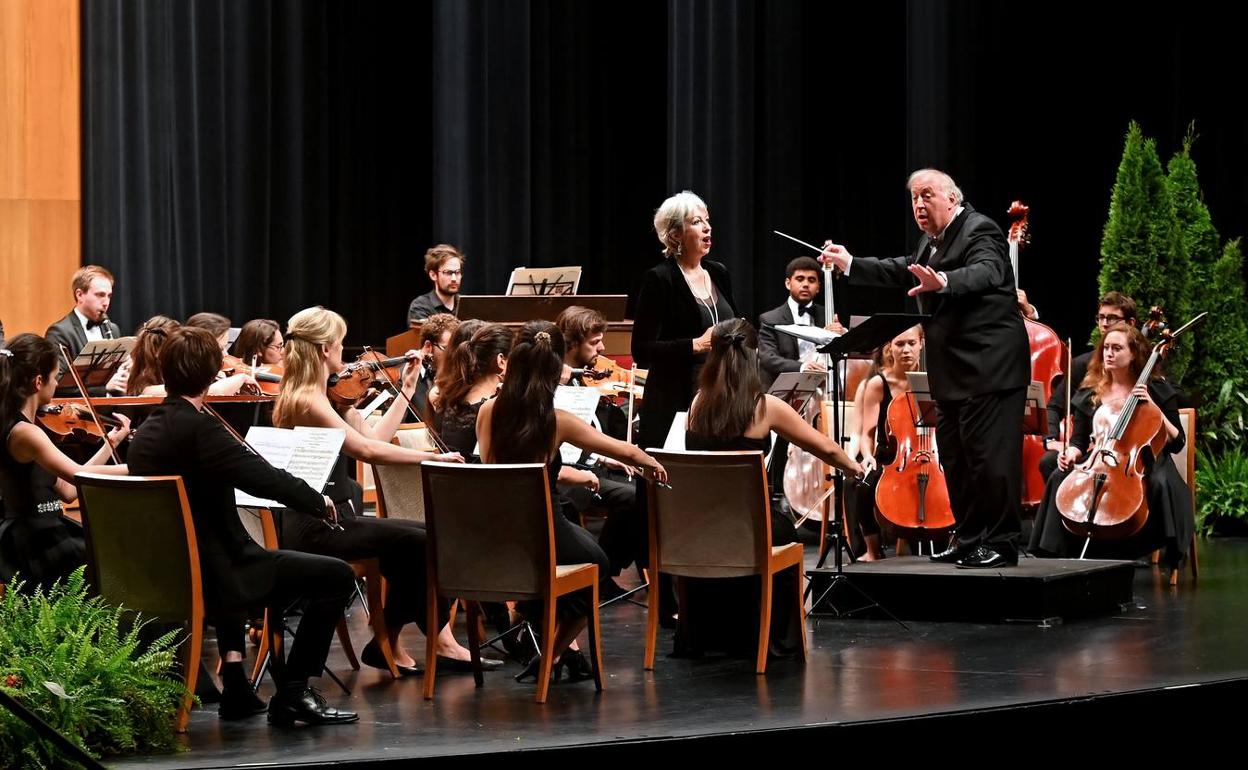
<point>433,434</point>
<point>112,451</point>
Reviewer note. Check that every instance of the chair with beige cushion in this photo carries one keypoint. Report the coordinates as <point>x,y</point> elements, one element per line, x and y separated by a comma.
<point>715,522</point>
<point>499,546</point>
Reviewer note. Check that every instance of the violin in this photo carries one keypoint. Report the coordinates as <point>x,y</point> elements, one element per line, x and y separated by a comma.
<point>1048,354</point>
<point>355,381</point>
<point>911,493</point>
<point>70,419</point>
<point>610,379</point>
<point>1105,496</point>
<point>268,377</point>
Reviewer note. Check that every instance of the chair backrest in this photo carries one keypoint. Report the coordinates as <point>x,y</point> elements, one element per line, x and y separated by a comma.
<point>141,547</point>
<point>490,529</point>
<point>400,493</point>
<point>715,521</point>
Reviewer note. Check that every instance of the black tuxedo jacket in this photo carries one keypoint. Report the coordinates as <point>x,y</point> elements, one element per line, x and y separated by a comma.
<point>69,332</point>
<point>777,351</point>
<point>665,323</point>
<point>177,440</point>
<point>976,342</point>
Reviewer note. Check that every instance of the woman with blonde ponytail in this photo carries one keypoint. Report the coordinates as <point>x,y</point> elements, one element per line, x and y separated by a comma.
<point>732,412</point>
<point>314,340</point>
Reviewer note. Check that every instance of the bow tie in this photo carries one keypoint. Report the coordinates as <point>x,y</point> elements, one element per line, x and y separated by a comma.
<point>93,324</point>
<point>803,310</point>
<point>935,244</point>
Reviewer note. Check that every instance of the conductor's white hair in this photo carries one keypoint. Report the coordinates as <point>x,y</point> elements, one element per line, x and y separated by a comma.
<point>945,182</point>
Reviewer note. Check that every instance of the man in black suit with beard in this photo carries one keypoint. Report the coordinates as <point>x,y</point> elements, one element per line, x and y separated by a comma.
<point>978,360</point>
<point>86,322</point>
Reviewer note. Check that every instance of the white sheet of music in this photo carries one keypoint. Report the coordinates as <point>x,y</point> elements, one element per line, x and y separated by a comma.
<point>582,402</point>
<point>814,334</point>
<point>306,453</point>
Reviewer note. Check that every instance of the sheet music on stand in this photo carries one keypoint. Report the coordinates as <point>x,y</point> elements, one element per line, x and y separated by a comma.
<point>796,388</point>
<point>581,402</point>
<point>544,280</point>
<point>98,361</point>
<point>305,453</point>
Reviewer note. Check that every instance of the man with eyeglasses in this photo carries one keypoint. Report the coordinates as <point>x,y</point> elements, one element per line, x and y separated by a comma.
<point>435,339</point>
<point>445,265</point>
<point>1113,308</point>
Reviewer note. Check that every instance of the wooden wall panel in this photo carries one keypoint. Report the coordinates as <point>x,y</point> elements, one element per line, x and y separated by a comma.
<point>40,161</point>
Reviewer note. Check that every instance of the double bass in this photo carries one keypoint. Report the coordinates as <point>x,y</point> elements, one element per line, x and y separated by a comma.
<point>1048,354</point>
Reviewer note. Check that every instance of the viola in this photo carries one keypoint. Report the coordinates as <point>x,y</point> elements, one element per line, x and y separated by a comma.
<point>268,377</point>
<point>611,379</point>
<point>355,381</point>
<point>1048,354</point>
<point>1105,496</point>
<point>71,419</point>
<point>911,493</point>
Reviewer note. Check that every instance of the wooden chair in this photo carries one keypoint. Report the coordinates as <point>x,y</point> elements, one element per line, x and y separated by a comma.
<point>142,554</point>
<point>369,569</point>
<point>477,551</point>
<point>715,521</point>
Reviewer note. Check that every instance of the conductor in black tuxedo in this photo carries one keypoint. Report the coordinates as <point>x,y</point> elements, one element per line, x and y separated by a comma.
<point>180,439</point>
<point>86,322</point>
<point>978,361</point>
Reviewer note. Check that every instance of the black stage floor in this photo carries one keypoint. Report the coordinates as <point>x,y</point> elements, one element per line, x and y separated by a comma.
<point>1166,664</point>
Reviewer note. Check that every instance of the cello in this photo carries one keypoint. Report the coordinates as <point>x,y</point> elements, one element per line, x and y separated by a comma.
<point>1105,496</point>
<point>912,494</point>
<point>1047,357</point>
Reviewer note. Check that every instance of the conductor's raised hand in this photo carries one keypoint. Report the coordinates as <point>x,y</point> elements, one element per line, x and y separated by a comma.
<point>929,280</point>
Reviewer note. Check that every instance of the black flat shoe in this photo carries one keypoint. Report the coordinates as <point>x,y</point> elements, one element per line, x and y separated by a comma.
<point>984,557</point>
<point>455,664</point>
<point>371,656</point>
<point>951,554</point>
<point>240,703</point>
<point>530,671</point>
<point>308,707</point>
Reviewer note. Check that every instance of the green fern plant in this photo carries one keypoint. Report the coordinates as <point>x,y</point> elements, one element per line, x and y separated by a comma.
<point>1223,483</point>
<point>85,668</point>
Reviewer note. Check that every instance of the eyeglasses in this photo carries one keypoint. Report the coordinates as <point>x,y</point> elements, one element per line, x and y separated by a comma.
<point>1108,319</point>
<point>451,273</point>
<point>439,346</point>
<point>276,345</point>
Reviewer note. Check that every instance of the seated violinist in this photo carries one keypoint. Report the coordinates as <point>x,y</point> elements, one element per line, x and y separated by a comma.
<point>590,482</point>
<point>435,344</point>
<point>36,542</point>
<point>259,339</point>
<point>731,412</point>
<point>145,376</point>
<point>1113,374</point>
<point>472,375</point>
<point>875,445</point>
<point>314,338</point>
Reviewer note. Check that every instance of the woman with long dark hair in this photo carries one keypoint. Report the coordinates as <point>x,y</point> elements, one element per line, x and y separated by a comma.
<point>522,425</point>
<point>1116,364</point>
<point>473,373</point>
<point>732,412</point>
<point>36,477</point>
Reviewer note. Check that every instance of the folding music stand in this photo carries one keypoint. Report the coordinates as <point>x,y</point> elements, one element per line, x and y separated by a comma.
<point>796,388</point>
<point>99,359</point>
<point>544,280</point>
<point>859,341</point>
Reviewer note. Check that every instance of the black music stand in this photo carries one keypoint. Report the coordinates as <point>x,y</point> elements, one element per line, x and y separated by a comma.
<point>859,341</point>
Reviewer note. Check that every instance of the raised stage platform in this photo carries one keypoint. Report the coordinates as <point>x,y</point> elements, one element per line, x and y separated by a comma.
<point>871,690</point>
<point>1036,591</point>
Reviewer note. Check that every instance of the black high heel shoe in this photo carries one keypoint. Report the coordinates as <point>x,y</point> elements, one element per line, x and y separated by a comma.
<point>530,671</point>
<point>577,666</point>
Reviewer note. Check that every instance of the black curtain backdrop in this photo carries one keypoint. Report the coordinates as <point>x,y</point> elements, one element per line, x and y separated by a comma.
<point>254,157</point>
